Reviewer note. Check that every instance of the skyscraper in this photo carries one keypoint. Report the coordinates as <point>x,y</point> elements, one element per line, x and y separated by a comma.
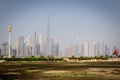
<point>35,45</point>
<point>56,50</point>
<point>13,52</point>
<point>82,50</point>
<point>86,48</point>
<point>51,47</point>
<point>41,41</point>
<point>48,40</point>
<point>95,49</point>
<point>5,49</point>
<point>106,50</point>
<point>101,48</point>
<point>69,51</point>
<point>76,47</point>
<point>30,44</point>
<point>21,46</point>
<point>16,48</point>
<point>0,51</point>
<point>26,48</point>
<point>76,50</point>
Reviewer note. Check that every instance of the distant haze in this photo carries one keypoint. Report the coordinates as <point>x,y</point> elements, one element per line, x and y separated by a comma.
<point>90,20</point>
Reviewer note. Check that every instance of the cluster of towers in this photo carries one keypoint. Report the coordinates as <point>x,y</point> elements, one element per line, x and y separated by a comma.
<point>88,49</point>
<point>34,45</point>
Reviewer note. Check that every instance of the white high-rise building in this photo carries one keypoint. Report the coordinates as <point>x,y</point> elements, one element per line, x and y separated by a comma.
<point>95,49</point>
<point>76,47</point>
<point>30,43</point>
<point>100,48</point>
<point>26,48</point>
<point>36,45</point>
<point>42,47</point>
<point>86,48</point>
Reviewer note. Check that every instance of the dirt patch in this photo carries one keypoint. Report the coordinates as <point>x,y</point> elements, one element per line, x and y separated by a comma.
<point>56,71</point>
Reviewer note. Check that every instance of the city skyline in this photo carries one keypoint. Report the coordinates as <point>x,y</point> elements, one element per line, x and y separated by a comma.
<point>89,20</point>
<point>36,45</point>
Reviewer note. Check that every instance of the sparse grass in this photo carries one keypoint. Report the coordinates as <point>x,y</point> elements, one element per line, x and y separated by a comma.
<point>53,70</point>
<point>70,75</point>
<point>102,70</point>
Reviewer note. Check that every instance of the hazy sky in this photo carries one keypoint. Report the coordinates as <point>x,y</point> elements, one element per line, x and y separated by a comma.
<point>91,20</point>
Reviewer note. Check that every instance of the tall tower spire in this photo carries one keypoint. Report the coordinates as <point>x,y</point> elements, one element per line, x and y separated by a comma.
<point>48,28</point>
<point>48,38</point>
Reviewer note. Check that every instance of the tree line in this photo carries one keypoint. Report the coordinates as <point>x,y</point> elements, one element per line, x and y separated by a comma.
<point>51,58</point>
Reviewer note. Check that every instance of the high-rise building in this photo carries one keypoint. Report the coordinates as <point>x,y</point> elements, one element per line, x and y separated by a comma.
<point>49,47</point>
<point>56,50</point>
<point>101,48</point>
<point>107,50</point>
<point>98,48</point>
<point>95,49</point>
<point>16,49</point>
<point>14,52</point>
<point>30,45</point>
<point>69,51</point>
<point>42,47</point>
<point>82,50</point>
<point>0,51</point>
<point>48,40</point>
<point>26,49</point>
<point>86,48</point>
<point>64,53</point>
<point>5,49</point>
<point>36,45</point>
<point>76,47</point>
<point>37,50</point>
<point>76,50</point>
<point>21,46</point>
